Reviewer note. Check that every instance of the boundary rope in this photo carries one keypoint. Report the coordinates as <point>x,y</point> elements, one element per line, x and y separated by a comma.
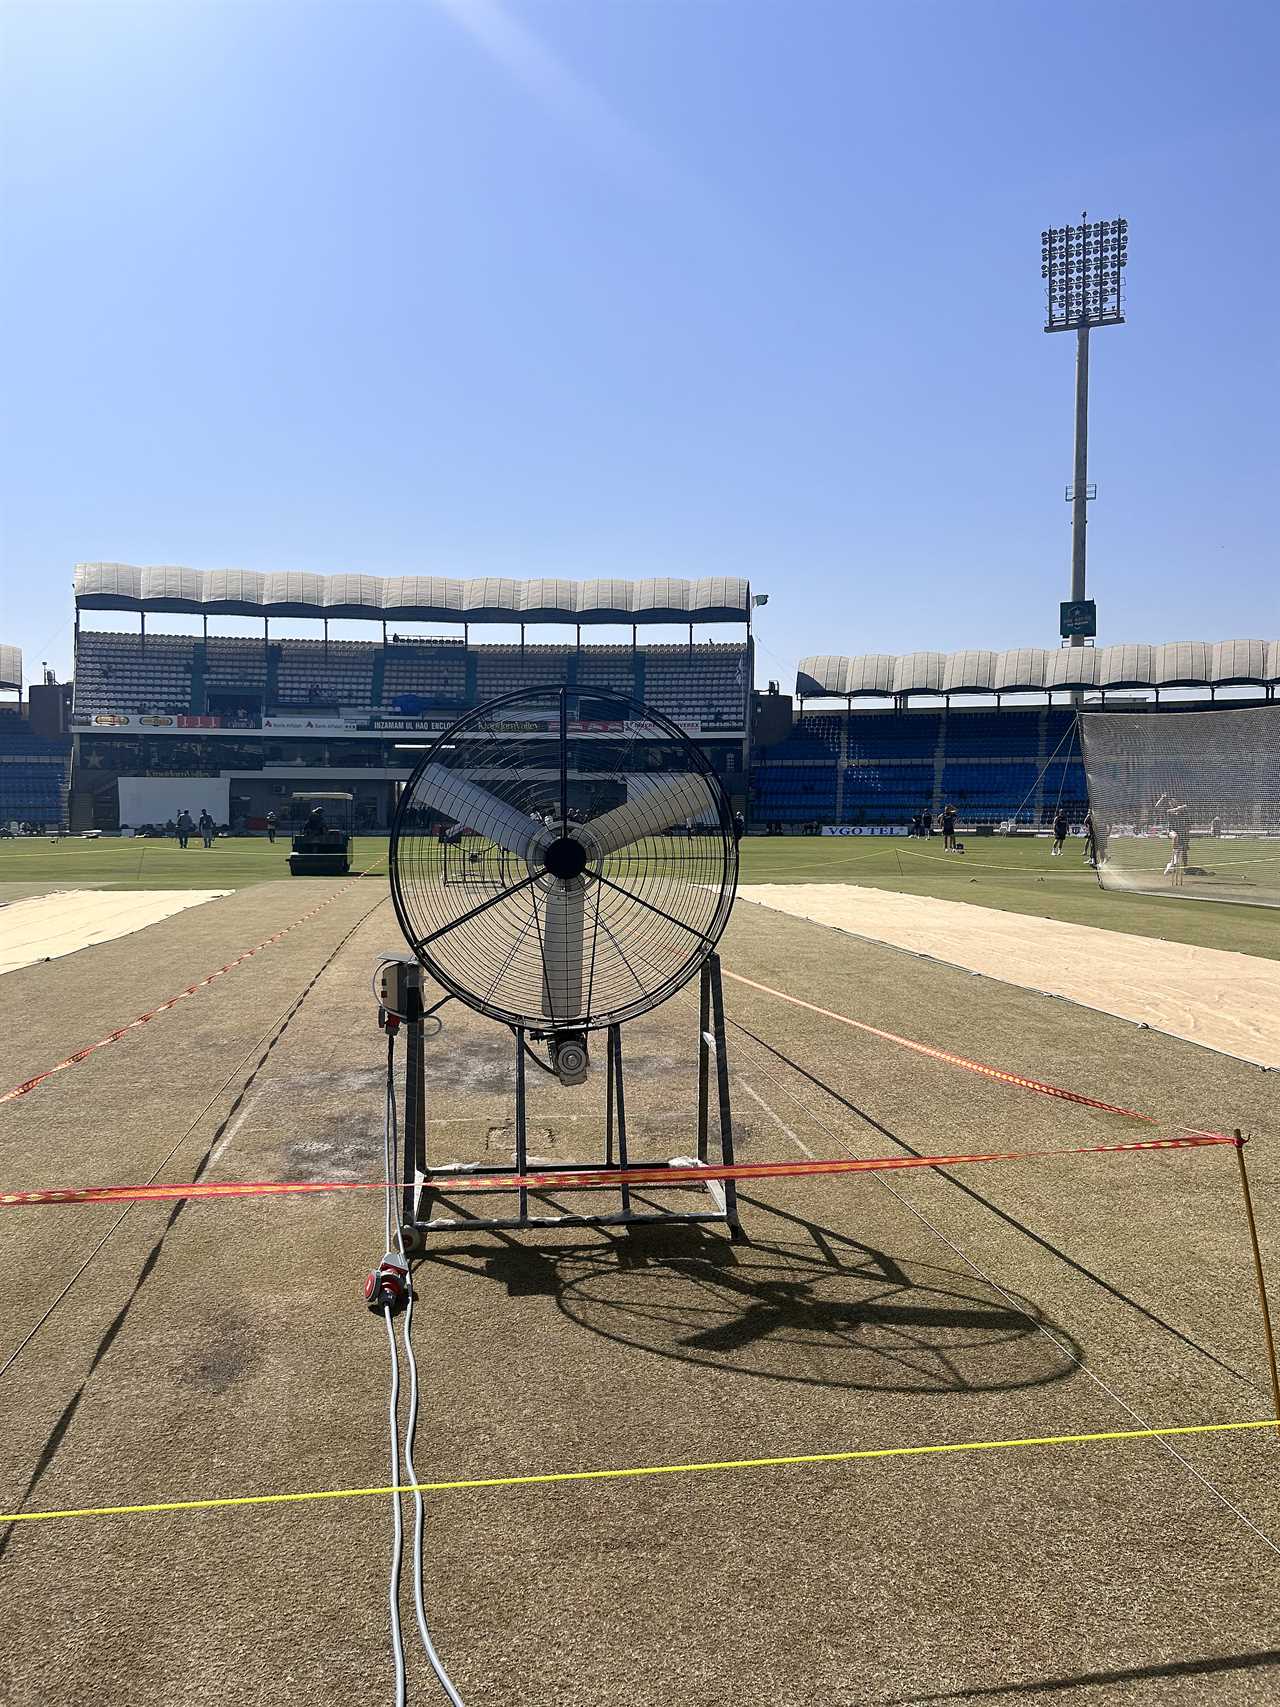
<point>472,1482</point>
<point>1066,1350</point>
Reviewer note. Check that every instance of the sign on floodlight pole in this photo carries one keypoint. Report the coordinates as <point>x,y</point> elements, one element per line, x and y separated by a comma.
<point>1083,267</point>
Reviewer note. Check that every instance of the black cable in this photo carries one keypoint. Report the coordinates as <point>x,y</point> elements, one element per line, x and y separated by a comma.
<point>534,1056</point>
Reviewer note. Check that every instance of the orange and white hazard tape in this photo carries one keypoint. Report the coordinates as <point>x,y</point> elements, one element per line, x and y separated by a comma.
<point>30,1084</point>
<point>565,1179</point>
<point>1019,1080</point>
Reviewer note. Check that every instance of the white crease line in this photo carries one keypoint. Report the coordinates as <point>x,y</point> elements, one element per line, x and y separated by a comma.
<point>231,1131</point>
<point>777,1119</point>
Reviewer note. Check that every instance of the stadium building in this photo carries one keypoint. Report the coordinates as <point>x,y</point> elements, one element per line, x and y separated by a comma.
<point>1011,757</point>
<point>237,723</point>
<point>35,750</point>
<point>163,722</point>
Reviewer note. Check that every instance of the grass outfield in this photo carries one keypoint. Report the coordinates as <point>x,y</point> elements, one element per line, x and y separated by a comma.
<point>138,864</point>
<point>1018,876</point>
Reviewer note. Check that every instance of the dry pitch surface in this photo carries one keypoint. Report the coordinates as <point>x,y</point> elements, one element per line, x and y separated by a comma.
<point>223,1348</point>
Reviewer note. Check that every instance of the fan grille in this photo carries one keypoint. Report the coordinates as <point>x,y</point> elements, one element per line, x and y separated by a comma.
<point>557,870</point>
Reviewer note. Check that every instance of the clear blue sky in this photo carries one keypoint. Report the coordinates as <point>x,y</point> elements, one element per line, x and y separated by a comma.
<point>644,287</point>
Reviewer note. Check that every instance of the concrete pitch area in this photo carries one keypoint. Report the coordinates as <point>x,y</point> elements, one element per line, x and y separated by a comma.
<point>36,928</point>
<point>222,1347</point>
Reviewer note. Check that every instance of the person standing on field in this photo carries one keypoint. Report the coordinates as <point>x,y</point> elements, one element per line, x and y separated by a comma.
<point>271,826</point>
<point>1179,821</point>
<point>185,827</point>
<point>1060,829</point>
<point>926,823</point>
<point>948,829</point>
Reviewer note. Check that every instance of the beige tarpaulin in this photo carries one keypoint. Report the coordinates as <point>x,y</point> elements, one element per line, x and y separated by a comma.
<point>1225,1001</point>
<point>44,927</point>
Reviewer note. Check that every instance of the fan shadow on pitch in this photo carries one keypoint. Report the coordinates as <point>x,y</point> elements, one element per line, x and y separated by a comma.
<point>805,1305</point>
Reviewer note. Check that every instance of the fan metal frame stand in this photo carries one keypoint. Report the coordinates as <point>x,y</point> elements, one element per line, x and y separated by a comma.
<point>422,1195</point>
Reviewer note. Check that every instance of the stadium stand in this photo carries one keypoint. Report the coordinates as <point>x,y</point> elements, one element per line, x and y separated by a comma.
<point>881,768</point>
<point>504,669</point>
<point>235,666</point>
<point>318,673</point>
<point>259,710</point>
<point>33,774</point>
<point>873,768</point>
<point>612,669</point>
<point>1179,664</point>
<point>721,682</point>
<point>435,672</point>
<point>130,672</point>
<point>706,683</point>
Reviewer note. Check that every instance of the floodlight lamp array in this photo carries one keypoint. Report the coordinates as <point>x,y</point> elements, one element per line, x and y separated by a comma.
<point>1083,267</point>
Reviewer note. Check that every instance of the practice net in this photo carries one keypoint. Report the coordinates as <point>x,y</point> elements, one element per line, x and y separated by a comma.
<point>1186,801</point>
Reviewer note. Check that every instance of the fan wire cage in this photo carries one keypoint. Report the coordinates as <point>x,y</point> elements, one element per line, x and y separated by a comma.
<point>563,860</point>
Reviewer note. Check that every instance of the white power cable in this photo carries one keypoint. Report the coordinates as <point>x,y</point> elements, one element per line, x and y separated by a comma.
<point>393,1404</point>
<point>395,1241</point>
<point>397,1527</point>
<point>419,1516</point>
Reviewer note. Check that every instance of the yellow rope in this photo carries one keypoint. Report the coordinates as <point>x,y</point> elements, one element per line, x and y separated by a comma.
<point>644,1470</point>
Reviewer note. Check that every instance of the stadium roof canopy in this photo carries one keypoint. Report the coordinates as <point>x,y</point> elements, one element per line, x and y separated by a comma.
<point>409,598</point>
<point>1029,669</point>
<point>10,667</point>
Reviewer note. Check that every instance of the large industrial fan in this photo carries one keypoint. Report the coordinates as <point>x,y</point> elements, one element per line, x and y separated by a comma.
<point>562,861</point>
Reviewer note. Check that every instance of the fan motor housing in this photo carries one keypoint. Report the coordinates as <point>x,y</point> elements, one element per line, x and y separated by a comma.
<point>569,1058</point>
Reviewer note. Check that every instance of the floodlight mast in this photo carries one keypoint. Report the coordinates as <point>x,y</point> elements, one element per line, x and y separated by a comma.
<point>1083,267</point>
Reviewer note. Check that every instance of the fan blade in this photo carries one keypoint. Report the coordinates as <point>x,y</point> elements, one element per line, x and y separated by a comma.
<point>562,951</point>
<point>476,809</point>
<point>654,805</point>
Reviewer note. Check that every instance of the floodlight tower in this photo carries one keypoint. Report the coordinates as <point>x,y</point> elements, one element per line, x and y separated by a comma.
<point>1083,267</point>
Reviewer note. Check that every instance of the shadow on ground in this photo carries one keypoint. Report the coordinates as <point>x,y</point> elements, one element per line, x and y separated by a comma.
<point>809,1305</point>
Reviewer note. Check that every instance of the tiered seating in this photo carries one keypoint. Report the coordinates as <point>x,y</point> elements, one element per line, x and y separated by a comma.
<point>115,673</point>
<point>610,668</point>
<point>795,781</point>
<point>33,774</point>
<point>898,735</point>
<point>993,734</point>
<point>232,664</point>
<point>815,738</point>
<point>502,669</point>
<point>988,794</point>
<point>991,765</point>
<point>429,672</point>
<point>119,672</point>
<point>311,674</point>
<point>710,686</point>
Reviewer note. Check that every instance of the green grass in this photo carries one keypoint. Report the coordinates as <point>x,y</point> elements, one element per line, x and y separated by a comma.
<point>112,864</point>
<point>1017,876</point>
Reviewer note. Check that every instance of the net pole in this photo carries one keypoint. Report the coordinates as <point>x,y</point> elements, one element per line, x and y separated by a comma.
<point>1267,1333</point>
